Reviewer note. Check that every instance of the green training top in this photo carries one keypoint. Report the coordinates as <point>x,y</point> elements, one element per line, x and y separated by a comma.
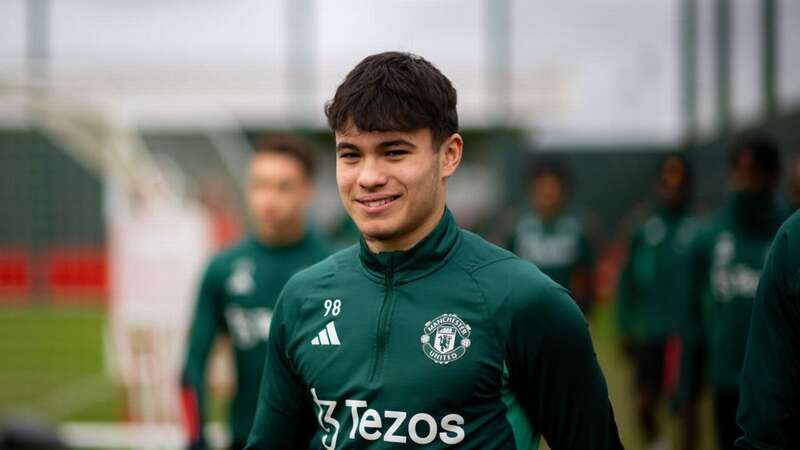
<point>769,403</point>
<point>557,248</point>
<point>236,297</point>
<point>455,342</point>
<point>726,259</point>
<point>650,294</point>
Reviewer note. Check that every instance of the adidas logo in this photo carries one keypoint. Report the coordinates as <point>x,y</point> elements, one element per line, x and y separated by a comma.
<point>327,336</point>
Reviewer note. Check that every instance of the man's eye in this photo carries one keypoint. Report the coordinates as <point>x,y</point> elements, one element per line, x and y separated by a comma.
<point>396,153</point>
<point>350,156</point>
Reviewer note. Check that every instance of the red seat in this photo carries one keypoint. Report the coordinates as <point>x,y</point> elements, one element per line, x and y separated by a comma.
<point>15,274</point>
<point>77,274</point>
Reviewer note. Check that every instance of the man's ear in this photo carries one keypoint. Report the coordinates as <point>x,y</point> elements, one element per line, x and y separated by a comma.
<point>450,153</point>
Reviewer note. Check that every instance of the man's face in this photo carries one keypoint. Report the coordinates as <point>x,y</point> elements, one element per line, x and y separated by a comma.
<point>745,176</point>
<point>392,183</point>
<point>672,184</point>
<point>547,195</point>
<point>278,194</point>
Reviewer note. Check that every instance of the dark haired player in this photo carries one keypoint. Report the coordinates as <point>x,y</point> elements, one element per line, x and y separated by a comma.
<point>551,237</point>
<point>769,403</point>
<point>422,335</point>
<point>241,285</point>
<point>726,259</point>
<point>650,301</point>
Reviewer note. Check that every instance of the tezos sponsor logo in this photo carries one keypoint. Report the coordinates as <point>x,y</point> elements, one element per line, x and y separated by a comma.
<point>390,426</point>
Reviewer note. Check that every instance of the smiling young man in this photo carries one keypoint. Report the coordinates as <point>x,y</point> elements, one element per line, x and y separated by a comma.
<point>241,285</point>
<point>423,335</point>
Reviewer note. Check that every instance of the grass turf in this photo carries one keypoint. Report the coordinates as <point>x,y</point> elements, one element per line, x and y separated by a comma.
<point>621,382</point>
<point>46,354</point>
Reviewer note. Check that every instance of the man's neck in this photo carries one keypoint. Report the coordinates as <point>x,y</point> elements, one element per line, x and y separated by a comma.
<point>286,238</point>
<point>409,240</point>
<point>549,217</point>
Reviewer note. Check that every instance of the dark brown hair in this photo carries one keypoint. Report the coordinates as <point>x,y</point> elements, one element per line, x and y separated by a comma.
<point>289,145</point>
<point>395,91</point>
<point>548,166</point>
<point>762,148</point>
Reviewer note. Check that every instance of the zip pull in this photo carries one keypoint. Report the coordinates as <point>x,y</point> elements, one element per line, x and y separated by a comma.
<point>383,321</point>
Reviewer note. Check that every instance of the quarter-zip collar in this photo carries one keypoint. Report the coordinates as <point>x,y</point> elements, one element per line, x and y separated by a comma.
<point>426,257</point>
<point>674,213</point>
<point>754,212</point>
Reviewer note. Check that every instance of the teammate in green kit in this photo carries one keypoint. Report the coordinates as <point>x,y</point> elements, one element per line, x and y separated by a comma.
<point>769,405</point>
<point>422,335</point>
<point>726,260</point>
<point>241,285</point>
<point>649,301</point>
<point>552,238</point>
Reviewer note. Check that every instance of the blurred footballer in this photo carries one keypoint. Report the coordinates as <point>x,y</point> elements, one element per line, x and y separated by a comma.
<point>242,284</point>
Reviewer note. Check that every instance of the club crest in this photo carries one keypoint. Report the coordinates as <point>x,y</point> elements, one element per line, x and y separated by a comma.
<point>241,282</point>
<point>445,338</point>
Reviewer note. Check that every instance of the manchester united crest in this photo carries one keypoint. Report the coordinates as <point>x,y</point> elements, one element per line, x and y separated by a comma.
<point>240,282</point>
<point>445,338</point>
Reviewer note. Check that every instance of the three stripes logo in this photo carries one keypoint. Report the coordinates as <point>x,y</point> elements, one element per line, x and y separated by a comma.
<point>327,336</point>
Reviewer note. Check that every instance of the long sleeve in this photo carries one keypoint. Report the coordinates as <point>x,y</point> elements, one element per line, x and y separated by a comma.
<point>626,296</point>
<point>769,407</point>
<point>582,277</point>
<point>284,419</point>
<point>206,323</point>
<point>511,242</point>
<point>692,329</point>
<point>555,374</point>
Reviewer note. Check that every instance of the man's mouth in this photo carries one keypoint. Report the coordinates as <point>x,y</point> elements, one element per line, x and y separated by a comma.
<point>377,204</point>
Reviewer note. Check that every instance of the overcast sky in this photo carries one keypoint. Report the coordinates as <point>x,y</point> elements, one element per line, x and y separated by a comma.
<point>604,69</point>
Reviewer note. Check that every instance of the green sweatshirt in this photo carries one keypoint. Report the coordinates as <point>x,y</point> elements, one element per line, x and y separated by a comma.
<point>769,404</point>
<point>455,342</point>
<point>236,297</point>
<point>726,260</point>
<point>559,248</point>
<point>649,295</point>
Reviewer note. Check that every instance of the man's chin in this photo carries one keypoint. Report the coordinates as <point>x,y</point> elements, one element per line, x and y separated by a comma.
<point>276,232</point>
<point>377,231</point>
<point>379,235</point>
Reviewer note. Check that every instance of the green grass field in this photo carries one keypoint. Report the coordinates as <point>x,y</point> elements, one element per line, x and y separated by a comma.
<point>51,366</point>
<point>620,377</point>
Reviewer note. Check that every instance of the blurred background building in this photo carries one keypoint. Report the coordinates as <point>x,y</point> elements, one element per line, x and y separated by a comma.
<point>118,116</point>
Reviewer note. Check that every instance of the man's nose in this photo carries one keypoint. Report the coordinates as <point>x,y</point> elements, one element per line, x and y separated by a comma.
<point>372,174</point>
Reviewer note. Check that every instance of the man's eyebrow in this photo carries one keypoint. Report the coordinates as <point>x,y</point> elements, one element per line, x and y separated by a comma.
<point>396,142</point>
<point>346,145</point>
